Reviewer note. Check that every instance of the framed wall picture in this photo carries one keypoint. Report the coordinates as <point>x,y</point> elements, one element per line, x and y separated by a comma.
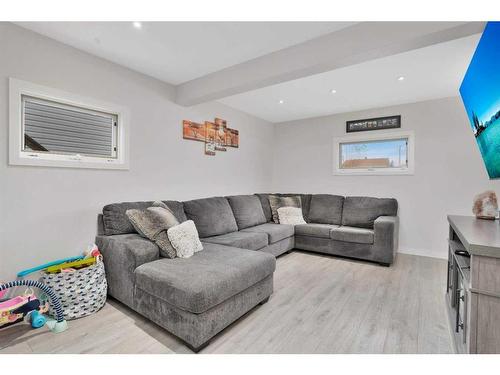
<point>377,123</point>
<point>193,131</point>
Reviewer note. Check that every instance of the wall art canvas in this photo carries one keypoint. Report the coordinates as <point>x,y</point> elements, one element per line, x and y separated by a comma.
<point>211,132</point>
<point>233,138</point>
<point>215,135</point>
<point>210,148</point>
<point>193,131</point>
<point>220,134</point>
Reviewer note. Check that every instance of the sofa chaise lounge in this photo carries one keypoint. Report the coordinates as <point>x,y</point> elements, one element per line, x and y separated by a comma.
<point>198,297</point>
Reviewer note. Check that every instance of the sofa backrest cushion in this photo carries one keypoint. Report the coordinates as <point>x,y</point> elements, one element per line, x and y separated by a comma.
<point>247,210</point>
<point>212,216</point>
<point>361,212</point>
<point>115,221</point>
<point>266,207</point>
<point>326,209</point>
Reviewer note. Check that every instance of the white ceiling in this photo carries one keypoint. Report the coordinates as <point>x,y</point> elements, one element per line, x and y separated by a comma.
<point>176,52</point>
<point>430,73</point>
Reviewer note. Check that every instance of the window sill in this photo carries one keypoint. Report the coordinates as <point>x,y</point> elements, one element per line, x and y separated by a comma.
<point>373,172</point>
<point>63,161</point>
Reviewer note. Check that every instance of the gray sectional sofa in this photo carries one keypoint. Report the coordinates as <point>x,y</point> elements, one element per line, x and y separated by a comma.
<point>198,297</point>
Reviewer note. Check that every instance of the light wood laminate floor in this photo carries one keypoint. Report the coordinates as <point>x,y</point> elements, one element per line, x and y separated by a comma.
<point>320,304</point>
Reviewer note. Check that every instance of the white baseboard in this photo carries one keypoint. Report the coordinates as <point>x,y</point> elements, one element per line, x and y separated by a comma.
<point>422,252</point>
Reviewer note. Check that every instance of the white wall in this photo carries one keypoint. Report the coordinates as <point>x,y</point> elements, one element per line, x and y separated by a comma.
<point>48,213</point>
<point>448,170</point>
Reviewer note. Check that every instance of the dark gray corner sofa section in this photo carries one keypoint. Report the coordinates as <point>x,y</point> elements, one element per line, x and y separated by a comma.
<point>198,297</point>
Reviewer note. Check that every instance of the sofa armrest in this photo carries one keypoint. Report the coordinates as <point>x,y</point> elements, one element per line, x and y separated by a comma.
<point>386,230</point>
<point>122,254</point>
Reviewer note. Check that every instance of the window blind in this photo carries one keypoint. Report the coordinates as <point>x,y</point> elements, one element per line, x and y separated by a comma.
<point>59,128</point>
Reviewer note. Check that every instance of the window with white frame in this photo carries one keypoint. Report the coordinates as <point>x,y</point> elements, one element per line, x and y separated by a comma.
<point>52,128</point>
<point>385,153</point>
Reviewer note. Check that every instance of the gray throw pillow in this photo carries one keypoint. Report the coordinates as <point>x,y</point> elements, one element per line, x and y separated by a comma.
<point>276,202</point>
<point>153,224</point>
<point>165,213</point>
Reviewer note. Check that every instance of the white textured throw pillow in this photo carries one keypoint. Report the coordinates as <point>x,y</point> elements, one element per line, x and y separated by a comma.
<point>185,239</point>
<point>291,215</point>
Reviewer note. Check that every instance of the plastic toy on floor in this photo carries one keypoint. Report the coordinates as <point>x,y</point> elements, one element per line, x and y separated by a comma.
<point>29,307</point>
<point>26,307</point>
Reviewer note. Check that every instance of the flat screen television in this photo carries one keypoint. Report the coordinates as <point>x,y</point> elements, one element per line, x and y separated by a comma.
<point>480,92</point>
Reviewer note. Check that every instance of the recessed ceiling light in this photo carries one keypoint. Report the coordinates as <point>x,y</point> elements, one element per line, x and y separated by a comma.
<point>333,91</point>
<point>281,101</point>
<point>401,78</point>
<point>137,25</point>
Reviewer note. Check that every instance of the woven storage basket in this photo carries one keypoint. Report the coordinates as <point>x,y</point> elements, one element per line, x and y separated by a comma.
<point>82,292</point>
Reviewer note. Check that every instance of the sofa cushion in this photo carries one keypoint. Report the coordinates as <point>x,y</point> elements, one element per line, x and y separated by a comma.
<point>363,211</point>
<point>185,240</point>
<point>352,234</point>
<point>116,221</point>
<point>163,211</point>
<point>275,232</point>
<point>206,279</point>
<point>241,239</point>
<point>315,230</point>
<point>326,209</point>
<point>247,210</point>
<point>178,209</point>
<point>153,223</point>
<point>290,215</point>
<point>212,216</point>
<point>266,207</point>
<point>276,201</point>
<point>305,202</point>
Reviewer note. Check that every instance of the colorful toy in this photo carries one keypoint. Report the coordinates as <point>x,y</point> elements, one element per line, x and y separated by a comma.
<point>17,308</point>
<point>26,307</point>
<point>47,265</point>
<point>11,310</point>
<point>80,263</point>
<point>87,259</point>
<point>36,319</point>
<point>92,251</point>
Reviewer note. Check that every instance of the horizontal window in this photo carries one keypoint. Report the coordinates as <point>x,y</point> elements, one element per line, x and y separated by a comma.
<point>52,128</point>
<point>378,154</point>
<point>390,153</point>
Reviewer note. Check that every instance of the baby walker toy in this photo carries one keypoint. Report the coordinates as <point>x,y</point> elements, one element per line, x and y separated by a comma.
<point>30,308</point>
